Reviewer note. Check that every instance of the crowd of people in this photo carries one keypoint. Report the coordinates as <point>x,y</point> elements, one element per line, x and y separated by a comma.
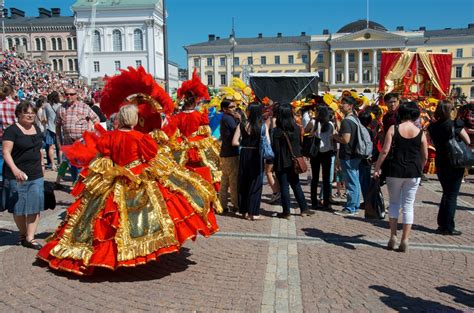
<point>167,153</point>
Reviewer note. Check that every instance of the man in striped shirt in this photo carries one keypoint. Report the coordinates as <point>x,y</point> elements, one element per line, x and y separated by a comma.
<point>7,116</point>
<point>72,119</point>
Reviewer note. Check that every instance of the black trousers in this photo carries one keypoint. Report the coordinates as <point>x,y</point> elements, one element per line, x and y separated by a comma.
<point>450,179</point>
<point>323,159</point>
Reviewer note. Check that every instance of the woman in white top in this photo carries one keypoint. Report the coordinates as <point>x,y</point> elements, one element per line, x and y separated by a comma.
<point>324,129</point>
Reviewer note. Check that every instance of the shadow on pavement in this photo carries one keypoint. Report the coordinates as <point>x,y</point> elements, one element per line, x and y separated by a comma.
<point>384,224</point>
<point>401,302</point>
<point>347,242</point>
<point>10,237</point>
<point>460,295</point>
<point>165,266</point>
<point>462,208</point>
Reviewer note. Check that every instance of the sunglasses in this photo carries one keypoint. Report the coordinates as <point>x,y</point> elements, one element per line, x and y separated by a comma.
<point>70,94</point>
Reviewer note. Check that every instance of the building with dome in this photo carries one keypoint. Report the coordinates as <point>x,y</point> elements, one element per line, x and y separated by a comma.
<point>347,59</point>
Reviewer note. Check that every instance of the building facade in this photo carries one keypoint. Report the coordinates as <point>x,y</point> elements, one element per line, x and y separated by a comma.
<point>49,37</point>
<point>117,34</point>
<point>347,59</point>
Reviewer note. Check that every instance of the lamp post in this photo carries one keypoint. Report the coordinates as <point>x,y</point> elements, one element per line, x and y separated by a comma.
<point>233,42</point>
<point>3,25</point>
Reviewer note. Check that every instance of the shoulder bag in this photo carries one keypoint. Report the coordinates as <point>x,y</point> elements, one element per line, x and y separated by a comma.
<point>299,164</point>
<point>459,154</point>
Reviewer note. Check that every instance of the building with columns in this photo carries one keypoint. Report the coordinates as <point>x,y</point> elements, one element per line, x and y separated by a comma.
<point>347,59</point>
<point>116,34</point>
<point>48,36</point>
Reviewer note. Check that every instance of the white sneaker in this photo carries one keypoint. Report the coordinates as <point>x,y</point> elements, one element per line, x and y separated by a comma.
<point>275,197</point>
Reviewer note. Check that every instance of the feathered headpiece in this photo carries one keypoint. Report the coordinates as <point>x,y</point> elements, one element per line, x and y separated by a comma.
<point>134,86</point>
<point>193,89</point>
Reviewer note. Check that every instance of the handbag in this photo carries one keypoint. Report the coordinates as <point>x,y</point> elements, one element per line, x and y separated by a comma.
<point>265,147</point>
<point>49,197</point>
<point>459,154</point>
<point>374,204</point>
<point>299,164</point>
<point>311,145</point>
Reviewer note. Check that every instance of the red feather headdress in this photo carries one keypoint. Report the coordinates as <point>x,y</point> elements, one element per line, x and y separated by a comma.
<point>134,86</point>
<point>193,88</point>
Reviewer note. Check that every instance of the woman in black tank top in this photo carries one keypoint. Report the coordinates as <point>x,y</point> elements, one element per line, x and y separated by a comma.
<point>409,150</point>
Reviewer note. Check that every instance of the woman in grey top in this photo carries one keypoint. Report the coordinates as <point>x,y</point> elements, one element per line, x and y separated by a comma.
<point>51,107</point>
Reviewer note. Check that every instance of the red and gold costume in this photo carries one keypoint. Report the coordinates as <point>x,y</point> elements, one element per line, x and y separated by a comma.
<point>133,204</point>
<point>191,140</point>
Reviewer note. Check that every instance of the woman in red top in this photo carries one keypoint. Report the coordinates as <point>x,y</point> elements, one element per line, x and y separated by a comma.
<point>190,135</point>
<point>133,203</point>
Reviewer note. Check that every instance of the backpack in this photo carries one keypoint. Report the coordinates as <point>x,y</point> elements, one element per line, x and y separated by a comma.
<point>364,144</point>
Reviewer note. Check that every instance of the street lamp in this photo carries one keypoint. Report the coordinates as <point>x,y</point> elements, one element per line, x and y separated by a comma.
<point>3,25</point>
<point>233,42</point>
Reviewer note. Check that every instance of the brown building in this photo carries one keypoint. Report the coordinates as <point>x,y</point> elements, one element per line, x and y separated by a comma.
<point>48,36</point>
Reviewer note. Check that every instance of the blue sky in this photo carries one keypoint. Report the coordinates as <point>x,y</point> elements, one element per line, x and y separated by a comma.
<point>190,21</point>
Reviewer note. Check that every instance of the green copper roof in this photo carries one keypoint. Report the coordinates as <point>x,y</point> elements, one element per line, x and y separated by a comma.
<point>113,3</point>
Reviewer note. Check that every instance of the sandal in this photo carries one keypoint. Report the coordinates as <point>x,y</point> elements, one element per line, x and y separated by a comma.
<point>257,218</point>
<point>32,244</point>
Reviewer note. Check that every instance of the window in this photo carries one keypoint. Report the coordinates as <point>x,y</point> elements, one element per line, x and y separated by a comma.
<point>38,44</point>
<point>429,50</point>
<point>25,43</point>
<point>10,43</point>
<point>291,59</point>
<point>365,57</point>
<point>472,92</point>
<point>17,42</point>
<point>222,61</point>
<point>209,80</point>
<point>458,71</point>
<point>53,43</point>
<point>209,61</point>
<point>43,44</point>
<point>196,62</point>
<point>472,70</point>
<point>444,50</point>
<point>117,65</point>
<point>379,56</point>
<point>60,43</point>
<point>69,43</point>
<point>321,76</point>
<point>223,79</point>
<point>137,40</point>
<point>338,57</point>
<point>55,65</point>
<point>117,40</point>
<point>70,64</point>
<point>351,57</point>
<point>96,66</point>
<point>352,76</point>
<point>249,60</point>
<point>338,76</point>
<point>459,53</point>
<point>236,61</point>
<point>74,41</point>
<point>60,65</point>
<point>138,63</point>
<point>96,41</point>
<point>263,60</point>
<point>277,59</point>
<point>366,75</point>
<point>304,59</point>
<point>472,52</point>
<point>76,65</point>
<point>320,58</point>
<point>237,74</point>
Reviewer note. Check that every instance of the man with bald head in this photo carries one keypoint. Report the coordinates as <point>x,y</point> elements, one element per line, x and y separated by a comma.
<point>72,119</point>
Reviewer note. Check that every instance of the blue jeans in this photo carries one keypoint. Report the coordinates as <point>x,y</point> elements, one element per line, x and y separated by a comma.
<point>331,177</point>
<point>287,177</point>
<point>350,170</point>
<point>364,177</point>
<point>450,180</point>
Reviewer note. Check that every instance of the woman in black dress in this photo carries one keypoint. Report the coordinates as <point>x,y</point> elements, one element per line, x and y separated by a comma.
<point>247,136</point>
<point>449,177</point>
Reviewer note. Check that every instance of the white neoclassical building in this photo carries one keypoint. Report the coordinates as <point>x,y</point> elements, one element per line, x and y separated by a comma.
<point>115,34</point>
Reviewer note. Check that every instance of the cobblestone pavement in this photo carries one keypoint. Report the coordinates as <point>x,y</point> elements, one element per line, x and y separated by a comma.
<point>319,263</point>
